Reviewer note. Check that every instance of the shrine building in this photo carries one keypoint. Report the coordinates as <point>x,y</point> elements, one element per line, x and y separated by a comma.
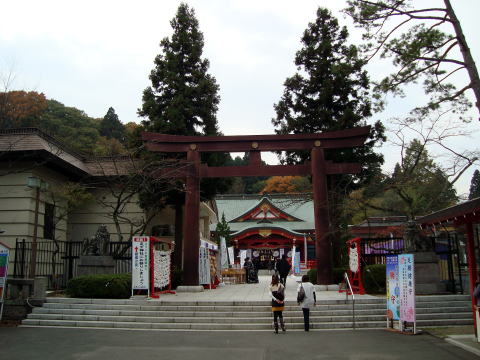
<point>268,226</point>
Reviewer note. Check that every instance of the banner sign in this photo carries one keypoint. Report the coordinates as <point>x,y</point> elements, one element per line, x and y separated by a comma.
<point>223,254</point>
<point>140,262</point>
<point>393,290</point>
<point>243,255</point>
<point>4,253</point>
<point>296,267</point>
<point>406,279</point>
<point>203,266</point>
<point>231,257</point>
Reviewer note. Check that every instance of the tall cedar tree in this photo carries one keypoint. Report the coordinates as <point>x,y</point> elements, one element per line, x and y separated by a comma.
<point>329,92</point>
<point>111,127</point>
<point>183,99</point>
<point>475,186</point>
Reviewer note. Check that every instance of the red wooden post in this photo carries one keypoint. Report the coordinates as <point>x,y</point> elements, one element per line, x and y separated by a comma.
<point>191,227</point>
<point>472,266</point>
<point>320,207</point>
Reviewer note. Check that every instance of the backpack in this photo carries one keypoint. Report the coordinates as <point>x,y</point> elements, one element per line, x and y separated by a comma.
<point>301,294</point>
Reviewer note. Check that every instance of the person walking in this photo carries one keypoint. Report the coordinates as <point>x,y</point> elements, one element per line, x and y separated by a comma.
<point>306,298</point>
<point>283,268</point>
<point>277,292</point>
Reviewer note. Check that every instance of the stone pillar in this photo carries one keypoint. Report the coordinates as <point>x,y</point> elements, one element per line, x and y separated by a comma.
<point>320,208</point>
<point>427,274</point>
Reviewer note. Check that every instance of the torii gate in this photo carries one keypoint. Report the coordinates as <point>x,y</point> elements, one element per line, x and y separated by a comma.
<point>318,167</point>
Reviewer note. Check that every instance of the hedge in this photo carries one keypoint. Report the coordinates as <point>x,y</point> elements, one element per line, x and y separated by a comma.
<point>102,286</point>
<point>374,279</point>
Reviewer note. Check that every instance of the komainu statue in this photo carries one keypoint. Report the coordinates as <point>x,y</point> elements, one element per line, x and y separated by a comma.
<point>415,241</point>
<point>98,244</point>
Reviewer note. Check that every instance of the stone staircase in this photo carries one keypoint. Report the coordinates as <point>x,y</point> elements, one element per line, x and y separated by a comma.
<point>446,310</point>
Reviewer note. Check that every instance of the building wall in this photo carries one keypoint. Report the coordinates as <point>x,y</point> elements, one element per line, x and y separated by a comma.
<point>17,206</point>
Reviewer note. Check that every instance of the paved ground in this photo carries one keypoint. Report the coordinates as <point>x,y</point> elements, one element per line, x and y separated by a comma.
<point>89,344</point>
<point>252,292</point>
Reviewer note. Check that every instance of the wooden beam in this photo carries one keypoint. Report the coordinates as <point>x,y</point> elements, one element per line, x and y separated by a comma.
<point>358,131</point>
<point>256,170</point>
<point>329,140</point>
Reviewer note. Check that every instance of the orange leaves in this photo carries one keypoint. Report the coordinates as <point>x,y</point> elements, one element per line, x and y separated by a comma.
<point>287,184</point>
<point>21,108</point>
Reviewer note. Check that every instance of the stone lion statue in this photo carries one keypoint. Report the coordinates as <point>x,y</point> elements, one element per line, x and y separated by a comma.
<point>97,245</point>
<point>415,241</point>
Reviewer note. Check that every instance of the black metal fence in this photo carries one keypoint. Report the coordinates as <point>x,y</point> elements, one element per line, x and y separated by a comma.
<point>57,260</point>
<point>448,247</point>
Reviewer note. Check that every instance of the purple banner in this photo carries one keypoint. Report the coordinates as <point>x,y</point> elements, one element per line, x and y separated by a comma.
<point>406,278</point>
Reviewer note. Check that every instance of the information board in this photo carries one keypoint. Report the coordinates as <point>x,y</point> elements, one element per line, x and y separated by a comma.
<point>406,279</point>
<point>140,262</point>
<point>203,266</point>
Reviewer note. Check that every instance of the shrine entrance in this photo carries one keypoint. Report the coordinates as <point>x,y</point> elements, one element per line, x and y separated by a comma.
<point>318,168</point>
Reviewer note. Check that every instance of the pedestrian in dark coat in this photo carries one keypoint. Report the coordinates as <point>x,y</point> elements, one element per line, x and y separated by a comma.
<point>283,268</point>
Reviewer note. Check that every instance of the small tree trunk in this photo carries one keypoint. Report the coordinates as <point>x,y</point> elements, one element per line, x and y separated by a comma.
<point>467,55</point>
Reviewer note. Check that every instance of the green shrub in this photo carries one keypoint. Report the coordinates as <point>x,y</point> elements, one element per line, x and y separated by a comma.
<point>374,279</point>
<point>102,286</point>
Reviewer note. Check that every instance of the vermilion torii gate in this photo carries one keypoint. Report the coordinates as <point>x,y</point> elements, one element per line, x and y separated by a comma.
<point>318,167</point>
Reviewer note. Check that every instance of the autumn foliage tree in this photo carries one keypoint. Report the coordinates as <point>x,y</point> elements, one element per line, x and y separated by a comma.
<point>21,108</point>
<point>287,185</point>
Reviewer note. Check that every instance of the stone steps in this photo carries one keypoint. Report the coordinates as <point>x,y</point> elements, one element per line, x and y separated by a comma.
<point>449,310</point>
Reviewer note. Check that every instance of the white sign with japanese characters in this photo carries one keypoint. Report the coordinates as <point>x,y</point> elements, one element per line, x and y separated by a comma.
<point>140,262</point>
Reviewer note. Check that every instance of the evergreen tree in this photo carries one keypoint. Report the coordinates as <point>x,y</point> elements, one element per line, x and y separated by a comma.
<point>329,92</point>
<point>475,186</point>
<point>111,127</point>
<point>183,99</point>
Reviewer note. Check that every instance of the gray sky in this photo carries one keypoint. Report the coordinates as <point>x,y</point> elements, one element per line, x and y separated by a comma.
<point>97,54</point>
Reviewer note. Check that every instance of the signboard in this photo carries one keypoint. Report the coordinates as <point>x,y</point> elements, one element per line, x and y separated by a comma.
<point>140,262</point>
<point>4,253</point>
<point>231,257</point>
<point>203,266</point>
<point>243,255</point>
<point>223,254</point>
<point>296,267</point>
<point>393,289</point>
<point>406,279</point>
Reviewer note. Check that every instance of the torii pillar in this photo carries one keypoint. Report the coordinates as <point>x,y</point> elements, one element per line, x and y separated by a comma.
<point>191,226</point>
<point>320,208</point>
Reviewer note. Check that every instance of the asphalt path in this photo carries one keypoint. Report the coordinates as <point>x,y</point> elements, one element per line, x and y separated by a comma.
<point>106,344</point>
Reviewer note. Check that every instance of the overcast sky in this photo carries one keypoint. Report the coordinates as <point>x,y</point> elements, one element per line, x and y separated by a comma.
<point>97,54</point>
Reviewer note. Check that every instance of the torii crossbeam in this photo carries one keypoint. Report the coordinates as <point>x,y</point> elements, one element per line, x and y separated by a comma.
<point>318,167</point>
